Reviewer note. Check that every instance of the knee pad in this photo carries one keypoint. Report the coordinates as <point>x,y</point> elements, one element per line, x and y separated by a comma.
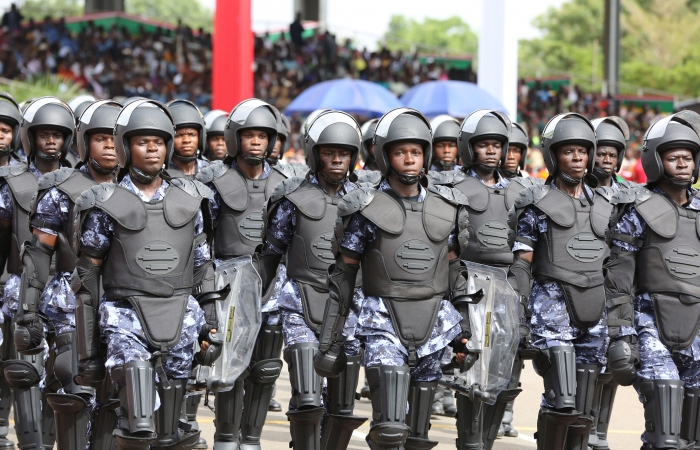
<point>342,390</point>
<point>389,390</point>
<point>306,384</point>
<point>559,376</point>
<point>136,381</point>
<point>265,372</point>
<point>388,435</point>
<point>260,384</point>
<point>21,374</point>
<point>663,402</point>
<point>268,345</point>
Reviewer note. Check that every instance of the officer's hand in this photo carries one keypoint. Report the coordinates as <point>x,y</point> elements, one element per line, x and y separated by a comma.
<point>623,358</point>
<point>204,345</point>
<point>210,348</point>
<point>29,335</point>
<point>330,363</point>
<point>91,372</point>
<point>459,344</point>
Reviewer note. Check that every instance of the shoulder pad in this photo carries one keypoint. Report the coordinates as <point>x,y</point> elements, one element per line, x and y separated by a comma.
<point>531,195</point>
<point>446,177</point>
<point>659,214</point>
<point>528,181</point>
<point>371,177</point>
<point>606,192</point>
<point>99,193</point>
<point>12,171</point>
<point>388,213</point>
<point>630,195</point>
<point>193,187</point>
<point>55,177</point>
<point>356,200</point>
<point>452,195</point>
<point>626,184</point>
<point>285,187</point>
<point>213,170</point>
<point>292,170</point>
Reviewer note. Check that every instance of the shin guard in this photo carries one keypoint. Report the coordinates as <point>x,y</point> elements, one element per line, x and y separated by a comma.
<point>23,378</point>
<point>560,377</point>
<point>420,400</point>
<point>227,417</point>
<point>553,427</point>
<point>72,418</point>
<point>340,423</point>
<point>663,404</point>
<point>469,424</point>
<point>579,431</point>
<point>690,417</point>
<point>167,417</point>
<point>389,391</point>
<point>136,382</point>
<point>601,410</point>
<point>306,384</point>
<point>305,428</point>
<point>493,415</point>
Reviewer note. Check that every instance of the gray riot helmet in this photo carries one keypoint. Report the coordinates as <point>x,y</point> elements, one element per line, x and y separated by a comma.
<point>251,114</point>
<point>99,117</point>
<point>333,129</point>
<point>11,115</point>
<point>402,124</point>
<point>482,125</point>
<point>367,136</point>
<point>612,131</point>
<point>568,129</point>
<point>310,118</point>
<point>519,138</point>
<point>284,131</point>
<point>445,128</point>
<point>23,105</point>
<point>79,104</point>
<point>143,118</point>
<point>214,125</point>
<point>50,113</point>
<point>186,114</point>
<point>679,130</point>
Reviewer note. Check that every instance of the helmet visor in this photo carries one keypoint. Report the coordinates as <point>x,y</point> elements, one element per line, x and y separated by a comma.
<point>554,121</point>
<point>330,118</point>
<point>36,105</point>
<point>688,118</point>
<point>386,120</point>
<point>619,122</point>
<point>470,123</point>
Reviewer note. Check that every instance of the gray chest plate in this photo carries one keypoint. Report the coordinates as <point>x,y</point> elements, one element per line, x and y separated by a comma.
<point>493,235</point>
<point>683,261</point>
<point>321,248</point>
<point>157,258</point>
<point>415,256</point>
<point>585,247</point>
<point>251,226</point>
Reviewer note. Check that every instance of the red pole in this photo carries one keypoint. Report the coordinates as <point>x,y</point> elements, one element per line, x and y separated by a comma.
<point>232,56</point>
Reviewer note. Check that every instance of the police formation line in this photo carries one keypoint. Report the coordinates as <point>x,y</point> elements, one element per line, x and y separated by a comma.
<point>120,225</point>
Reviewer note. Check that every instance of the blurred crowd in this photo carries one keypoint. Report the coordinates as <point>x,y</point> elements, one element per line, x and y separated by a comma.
<point>167,64</point>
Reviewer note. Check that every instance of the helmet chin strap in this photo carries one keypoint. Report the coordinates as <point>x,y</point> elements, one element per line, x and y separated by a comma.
<point>329,180</point>
<point>484,167</point>
<point>509,173</point>
<point>676,182</point>
<point>600,173</point>
<point>253,160</point>
<point>6,151</point>
<point>141,176</point>
<point>568,179</point>
<point>186,158</point>
<point>408,180</point>
<point>99,169</point>
<point>47,157</point>
<point>445,165</point>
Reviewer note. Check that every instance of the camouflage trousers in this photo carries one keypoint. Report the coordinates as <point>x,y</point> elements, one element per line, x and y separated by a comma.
<point>126,340</point>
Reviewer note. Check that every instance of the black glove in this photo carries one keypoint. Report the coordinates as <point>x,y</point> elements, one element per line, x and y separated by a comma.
<point>266,261</point>
<point>623,359</point>
<point>91,372</point>
<point>29,334</point>
<point>520,277</point>
<point>212,353</point>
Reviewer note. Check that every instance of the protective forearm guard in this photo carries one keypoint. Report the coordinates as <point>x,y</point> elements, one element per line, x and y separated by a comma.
<point>36,258</point>
<point>520,277</point>
<point>619,290</point>
<point>86,303</point>
<point>207,299</point>
<point>329,362</point>
<point>266,262</point>
<point>458,284</point>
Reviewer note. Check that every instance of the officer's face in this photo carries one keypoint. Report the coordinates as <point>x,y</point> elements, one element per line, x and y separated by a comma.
<point>513,158</point>
<point>445,151</point>
<point>217,146</point>
<point>488,152</point>
<point>606,158</point>
<point>186,141</point>
<point>572,160</point>
<point>5,135</point>
<point>48,141</point>
<point>147,153</point>
<point>102,150</point>
<point>678,163</point>
<point>406,157</point>
<point>335,162</point>
<point>254,142</point>
<point>276,149</point>
<point>370,148</point>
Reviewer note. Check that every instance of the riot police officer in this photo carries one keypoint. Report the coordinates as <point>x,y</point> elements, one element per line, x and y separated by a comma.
<point>612,133</point>
<point>516,156</point>
<point>53,219</point>
<point>409,239</point>
<point>652,285</point>
<point>214,124</point>
<point>367,150</point>
<point>46,132</point>
<point>560,246</point>
<point>445,133</point>
<point>332,144</point>
<point>78,105</point>
<point>241,188</point>
<point>190,140</point>
<point>284,130</point>
<point>146,237</point>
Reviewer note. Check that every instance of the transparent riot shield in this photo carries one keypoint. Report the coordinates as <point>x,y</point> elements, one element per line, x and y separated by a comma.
<point>494,322</point>
<point>239,319</point>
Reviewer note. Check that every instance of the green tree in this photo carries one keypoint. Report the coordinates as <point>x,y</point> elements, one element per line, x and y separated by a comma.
<point>38,9</point>
<point>191,12</point>
<point>453,36</point>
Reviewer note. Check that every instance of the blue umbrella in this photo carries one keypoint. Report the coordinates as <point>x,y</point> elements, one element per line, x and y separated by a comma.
<point>456,98</point>
<point>345,94</point>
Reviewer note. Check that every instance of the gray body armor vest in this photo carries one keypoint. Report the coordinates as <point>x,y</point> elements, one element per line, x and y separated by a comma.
<point>72,183</point>
<point>668,268</point>
<point>488,208</point>
<point>240,224</point>
<point>407,263</point>
<point>573,250</point>
<point>23,185</point>
<point>150,262</point>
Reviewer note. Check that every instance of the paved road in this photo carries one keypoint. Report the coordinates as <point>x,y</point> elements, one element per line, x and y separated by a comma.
<point>627,423</point>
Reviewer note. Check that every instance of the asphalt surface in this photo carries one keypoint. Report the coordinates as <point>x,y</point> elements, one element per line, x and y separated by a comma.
<point>627,423</point>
